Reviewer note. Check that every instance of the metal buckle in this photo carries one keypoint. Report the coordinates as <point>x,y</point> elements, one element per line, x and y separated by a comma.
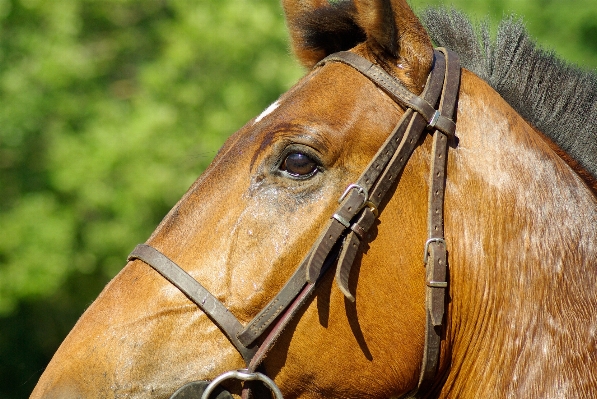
<point>429,241</point>
<point>366,203</point>
<point>373,208</point>
<point>243,375</point>
<point>361,190</point>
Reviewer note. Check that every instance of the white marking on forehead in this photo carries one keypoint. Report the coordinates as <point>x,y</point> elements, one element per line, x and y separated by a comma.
<point>267,111</point>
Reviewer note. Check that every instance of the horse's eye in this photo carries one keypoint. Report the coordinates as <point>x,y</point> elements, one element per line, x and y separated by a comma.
<point>298,164</point>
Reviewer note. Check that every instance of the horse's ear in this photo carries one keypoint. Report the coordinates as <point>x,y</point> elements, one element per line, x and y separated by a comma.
<point>319,28</point>
<point>376,18</point>
<point>390,29</point>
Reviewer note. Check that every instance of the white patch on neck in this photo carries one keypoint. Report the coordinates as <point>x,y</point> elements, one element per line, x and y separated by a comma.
<point>267,111</point>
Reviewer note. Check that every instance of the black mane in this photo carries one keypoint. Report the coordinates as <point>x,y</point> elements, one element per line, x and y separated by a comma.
<point>556,97</point>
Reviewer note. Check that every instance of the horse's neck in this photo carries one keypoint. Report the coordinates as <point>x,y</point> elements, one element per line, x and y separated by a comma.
<point>587,177</point>
<point>523,262</point>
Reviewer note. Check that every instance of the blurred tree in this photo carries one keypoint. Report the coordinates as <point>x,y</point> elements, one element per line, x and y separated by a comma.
<point>111,109</point>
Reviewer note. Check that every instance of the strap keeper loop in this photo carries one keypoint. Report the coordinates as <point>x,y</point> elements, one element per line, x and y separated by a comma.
<point>437,284</point>
<point>342,220</point>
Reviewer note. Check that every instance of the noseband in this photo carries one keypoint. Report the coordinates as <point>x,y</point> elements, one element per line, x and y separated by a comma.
<point>353,218</point>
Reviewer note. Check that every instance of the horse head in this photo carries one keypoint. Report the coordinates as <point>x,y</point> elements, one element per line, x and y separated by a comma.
<point>516,246</point>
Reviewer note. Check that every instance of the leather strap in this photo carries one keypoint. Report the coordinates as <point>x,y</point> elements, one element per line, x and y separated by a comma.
<point>391,157</point>
<point>356,214</point>
<point>436,256</point>
<point>394,88</point>
<point>350,249</point>
<point>388,163</point>
<point>275,307</point>
<point>208,303</point>
<point>354,199</point>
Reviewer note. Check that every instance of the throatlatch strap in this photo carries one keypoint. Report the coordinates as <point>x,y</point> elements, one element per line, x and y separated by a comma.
<point>436,256</point>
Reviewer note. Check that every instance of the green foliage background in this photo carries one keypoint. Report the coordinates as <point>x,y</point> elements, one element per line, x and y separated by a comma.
<point>111,109</point>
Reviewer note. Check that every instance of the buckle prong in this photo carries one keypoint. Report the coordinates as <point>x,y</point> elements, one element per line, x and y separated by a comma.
<point>429,241</point>
<point>360,189</point>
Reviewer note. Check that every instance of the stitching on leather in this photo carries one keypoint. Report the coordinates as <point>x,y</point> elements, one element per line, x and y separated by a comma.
<point>263,314</point>
<point>263,325</point>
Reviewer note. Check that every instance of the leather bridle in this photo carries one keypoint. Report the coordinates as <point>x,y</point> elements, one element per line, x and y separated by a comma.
<point>353,218</point>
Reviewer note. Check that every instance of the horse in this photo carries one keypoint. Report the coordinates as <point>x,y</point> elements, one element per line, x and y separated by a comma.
<point>518,211</point>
